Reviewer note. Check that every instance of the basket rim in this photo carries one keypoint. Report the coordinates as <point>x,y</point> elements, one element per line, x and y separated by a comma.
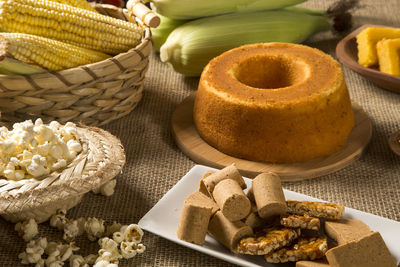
<point>43,194</point>
<point>90,68</point>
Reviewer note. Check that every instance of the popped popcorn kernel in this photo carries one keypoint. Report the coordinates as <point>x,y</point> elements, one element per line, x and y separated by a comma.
<point>94,228</point>
<point>59,220</point>
<point>28,229</point>
<point>118,242</point>
<point>34,150</point>
<point>73,229</point>
<point>133,233</point>
<point>34,251</point>
<point>77,261</point>
<point>114,227</point>
<point>106,189</point>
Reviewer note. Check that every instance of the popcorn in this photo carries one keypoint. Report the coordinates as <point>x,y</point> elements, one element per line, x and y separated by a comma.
<point>56,151</point>
<point>128,250</point>
<point>69,132</point>
<point>19,175</point>
<point>111,229</point>
<point>74,145</point>
<point>66,251</point>
<point>77,261</point>
<point>104,263</point>
<point>9,174</point>
<point>133,233</point>
<point>52,261</point>
<point>38,166</point>
<point>28,258</point>
<point>40,263</point>
<point>59,253</point>
<point>55,125</point>
<point>111,256</point>
<point>51,247</point>
<point>8,146</point>
<point>123,244</point>
<point>59,220</point>
<point>106,189</point>
<point>28,229</point>
<point>91,259</point>
<point>43,134</point>
<point>73,228</point>
<point>43,149</point>
<point>118,237</point>
<point>94,228</point>
<point>31,149</point>
<point>59,164</point>
<point>34,251</point>
<point>108,244</point>
<point>38,122</point>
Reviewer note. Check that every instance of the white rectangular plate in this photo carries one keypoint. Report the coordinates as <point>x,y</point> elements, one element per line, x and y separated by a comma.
<point>163,220</point>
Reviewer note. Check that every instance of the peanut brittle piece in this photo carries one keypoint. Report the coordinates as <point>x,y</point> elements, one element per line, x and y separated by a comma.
<point>316,209</point>
<point>267,240</point>
<point>306,248</point>
<point>300,221</point>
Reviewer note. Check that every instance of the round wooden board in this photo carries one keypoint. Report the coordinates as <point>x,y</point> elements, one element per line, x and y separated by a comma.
<point>189,141</point>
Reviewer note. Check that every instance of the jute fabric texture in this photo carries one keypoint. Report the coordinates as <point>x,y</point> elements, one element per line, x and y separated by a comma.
<point>155,164</point>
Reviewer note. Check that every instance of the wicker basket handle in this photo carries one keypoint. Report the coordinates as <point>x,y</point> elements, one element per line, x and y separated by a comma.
<point>142,12</point>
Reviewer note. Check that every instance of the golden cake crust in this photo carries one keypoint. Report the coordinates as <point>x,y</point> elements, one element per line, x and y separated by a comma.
<point>273,102</point>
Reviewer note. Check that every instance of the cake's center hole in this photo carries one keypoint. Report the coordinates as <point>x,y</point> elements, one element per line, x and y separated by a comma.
<point>270,72</point>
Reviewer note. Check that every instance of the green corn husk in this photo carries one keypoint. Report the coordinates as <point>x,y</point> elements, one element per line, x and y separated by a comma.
<point>192,9</point>
<point>10,66</point>
<point>160,34</point>
<point>192,45</point>
<point>316,12</point>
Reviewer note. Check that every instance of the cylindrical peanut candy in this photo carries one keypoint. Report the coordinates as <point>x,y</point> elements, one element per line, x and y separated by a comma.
<point>226,232</point>
<point>199,199</point>
<point>229,172</point>
<point>203,188</point>
<point>268,194</point>
<point>231,200</point>
<point>253,219</point>
<point>193,223</point>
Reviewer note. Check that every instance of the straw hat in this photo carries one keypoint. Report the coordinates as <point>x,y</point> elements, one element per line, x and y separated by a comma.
<point>101,159</point>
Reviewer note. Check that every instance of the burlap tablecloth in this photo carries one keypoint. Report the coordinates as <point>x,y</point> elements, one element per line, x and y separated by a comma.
<point>155,164</point>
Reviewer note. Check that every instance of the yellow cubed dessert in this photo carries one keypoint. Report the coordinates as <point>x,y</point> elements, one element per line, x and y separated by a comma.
<point>389,56</point>
<point>367,40</point>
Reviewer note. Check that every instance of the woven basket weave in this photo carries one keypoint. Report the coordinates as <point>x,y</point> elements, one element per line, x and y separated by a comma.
<point>101,159</point>
<point>93,94</point>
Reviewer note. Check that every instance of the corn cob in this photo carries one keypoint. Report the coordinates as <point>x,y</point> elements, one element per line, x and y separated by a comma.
<point>160,34</point>
<point>167,25</point>
<point>69,24</point>
<point>46,53</point>
<point>77,3</point>
<point>192,45</point>
<point>191,9</point>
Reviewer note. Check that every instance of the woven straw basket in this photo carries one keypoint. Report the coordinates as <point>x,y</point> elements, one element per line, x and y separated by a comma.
<point>101,159</point>
<point>93,94</point>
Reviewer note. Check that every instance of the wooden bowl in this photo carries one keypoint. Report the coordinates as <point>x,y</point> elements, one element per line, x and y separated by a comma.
<point>346,51</point>
<point>394,142</point>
